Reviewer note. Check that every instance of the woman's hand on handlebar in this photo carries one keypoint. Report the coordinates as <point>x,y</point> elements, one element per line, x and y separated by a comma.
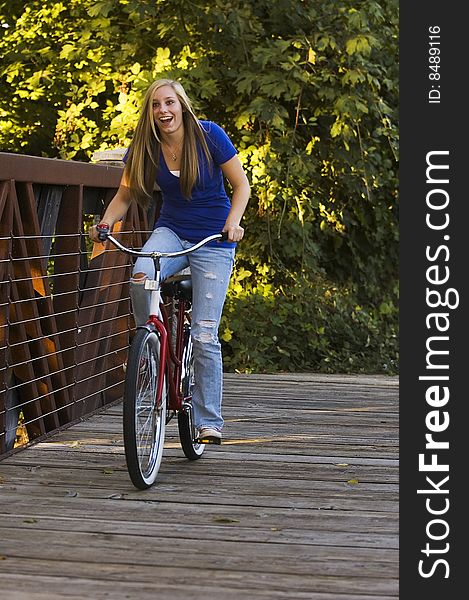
<point>96,232</point>
<point>235,233</point>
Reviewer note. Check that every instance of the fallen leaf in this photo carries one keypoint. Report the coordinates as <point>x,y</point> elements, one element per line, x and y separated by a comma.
<point>31,520</point>
<point>352,481</point>
<point>225,520</point>
<point>108,471</point>
<point>341,464</point>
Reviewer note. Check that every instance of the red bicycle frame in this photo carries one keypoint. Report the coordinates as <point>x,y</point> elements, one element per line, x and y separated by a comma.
<point>170,362</point>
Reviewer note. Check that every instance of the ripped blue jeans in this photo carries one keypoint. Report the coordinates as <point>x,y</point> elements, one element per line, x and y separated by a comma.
<point>211,268</point>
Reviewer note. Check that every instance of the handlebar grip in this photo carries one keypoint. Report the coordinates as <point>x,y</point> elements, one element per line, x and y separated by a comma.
<point>103,231</point>
<point>224,236</point>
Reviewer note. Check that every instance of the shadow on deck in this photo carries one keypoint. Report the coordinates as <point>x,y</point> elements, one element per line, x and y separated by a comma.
<point>300,501</point>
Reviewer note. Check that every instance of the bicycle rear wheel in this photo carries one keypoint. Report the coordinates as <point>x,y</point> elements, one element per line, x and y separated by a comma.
<point>192,449</point>
<point>144,420</point>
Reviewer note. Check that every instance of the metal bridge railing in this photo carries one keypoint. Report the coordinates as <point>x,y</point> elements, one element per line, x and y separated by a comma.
<point>65,317</point>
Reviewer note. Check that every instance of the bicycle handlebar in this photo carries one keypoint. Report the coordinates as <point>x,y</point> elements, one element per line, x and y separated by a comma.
<point>103,235</point>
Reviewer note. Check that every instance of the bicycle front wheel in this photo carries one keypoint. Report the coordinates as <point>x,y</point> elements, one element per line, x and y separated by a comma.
<point>144,418</point>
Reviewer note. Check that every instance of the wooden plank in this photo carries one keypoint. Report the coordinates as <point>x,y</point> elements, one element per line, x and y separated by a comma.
<point>179,588</point>
<point>290,470</point>
<point>324,500</point>
<point>123,512</point>
<point>55,171</point>
<point>146,571</point>
<point>237,489</point>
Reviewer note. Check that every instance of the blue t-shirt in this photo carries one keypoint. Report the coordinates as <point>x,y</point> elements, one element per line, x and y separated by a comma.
<point>206,211</point>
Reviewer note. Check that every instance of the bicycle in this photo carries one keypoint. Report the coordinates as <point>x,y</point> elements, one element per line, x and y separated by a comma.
<point>159,375</point>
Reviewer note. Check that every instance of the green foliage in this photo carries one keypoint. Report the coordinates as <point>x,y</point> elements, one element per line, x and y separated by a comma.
<point>307,326</point>
<point>308,91</point>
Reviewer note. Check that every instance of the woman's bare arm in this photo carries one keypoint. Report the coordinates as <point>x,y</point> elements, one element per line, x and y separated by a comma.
<point>116,209</point>
<point>234,172</point>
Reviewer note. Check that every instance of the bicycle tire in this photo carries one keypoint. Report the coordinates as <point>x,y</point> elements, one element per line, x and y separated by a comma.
<point>192,449</point>
<point>144,424</point>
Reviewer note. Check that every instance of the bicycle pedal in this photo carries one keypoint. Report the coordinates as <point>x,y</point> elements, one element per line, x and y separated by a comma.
<point>209,440</point>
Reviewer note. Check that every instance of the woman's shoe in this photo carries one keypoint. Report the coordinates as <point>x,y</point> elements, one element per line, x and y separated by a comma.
<point>208,435</point>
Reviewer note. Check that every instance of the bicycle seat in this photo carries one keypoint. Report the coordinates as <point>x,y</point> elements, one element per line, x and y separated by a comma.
<point>177,286</point>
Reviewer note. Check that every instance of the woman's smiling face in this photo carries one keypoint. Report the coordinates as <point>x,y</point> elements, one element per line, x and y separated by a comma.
<point>167,110</point>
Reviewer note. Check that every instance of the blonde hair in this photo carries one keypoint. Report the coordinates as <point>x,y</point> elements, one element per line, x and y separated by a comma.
<point>144,152</point>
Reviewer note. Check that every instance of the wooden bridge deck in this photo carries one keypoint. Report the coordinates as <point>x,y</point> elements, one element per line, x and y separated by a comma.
<point>301,501</point>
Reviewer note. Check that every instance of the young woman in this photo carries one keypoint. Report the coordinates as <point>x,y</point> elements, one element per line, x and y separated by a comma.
<point>189,159</point>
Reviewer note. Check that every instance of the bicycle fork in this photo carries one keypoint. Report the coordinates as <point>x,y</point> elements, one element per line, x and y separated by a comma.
<point>156,320</point>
